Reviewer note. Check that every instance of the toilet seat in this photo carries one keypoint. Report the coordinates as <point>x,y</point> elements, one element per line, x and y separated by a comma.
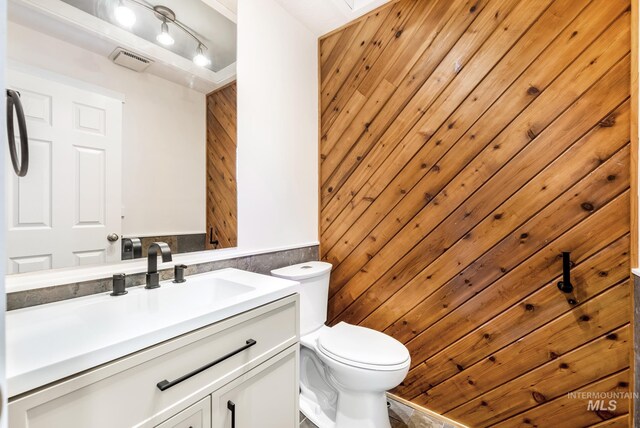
<point>363,348</point>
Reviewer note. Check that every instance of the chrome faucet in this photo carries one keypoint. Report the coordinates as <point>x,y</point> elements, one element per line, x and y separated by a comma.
<point>153,278</point>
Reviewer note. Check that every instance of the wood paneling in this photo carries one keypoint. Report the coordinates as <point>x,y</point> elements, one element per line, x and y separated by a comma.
<point>464,145</point>
<point>222,210</point>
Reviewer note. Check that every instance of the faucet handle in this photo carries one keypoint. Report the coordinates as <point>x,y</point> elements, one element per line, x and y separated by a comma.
<point>119,285</point>
<point>178,273</point>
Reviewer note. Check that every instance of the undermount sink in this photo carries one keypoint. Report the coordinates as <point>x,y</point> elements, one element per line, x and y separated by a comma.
<point>49,342</point>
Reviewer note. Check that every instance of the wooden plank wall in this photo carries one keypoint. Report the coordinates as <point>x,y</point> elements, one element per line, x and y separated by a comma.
<point>464,146</point>
<point>222,209</point>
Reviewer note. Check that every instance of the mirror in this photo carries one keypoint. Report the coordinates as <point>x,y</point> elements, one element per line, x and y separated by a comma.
<point>130,109</point>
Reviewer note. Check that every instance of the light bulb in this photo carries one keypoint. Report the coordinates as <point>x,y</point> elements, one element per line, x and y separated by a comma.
<point>164,37</point>
<point>124,15</point>
<point>199,59</point>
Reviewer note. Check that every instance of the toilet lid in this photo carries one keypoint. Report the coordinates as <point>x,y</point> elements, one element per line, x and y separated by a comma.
<point>362,345</point>
<point>302,271</point>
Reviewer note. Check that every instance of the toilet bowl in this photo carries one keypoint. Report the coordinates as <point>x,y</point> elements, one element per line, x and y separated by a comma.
<point>345,370</point>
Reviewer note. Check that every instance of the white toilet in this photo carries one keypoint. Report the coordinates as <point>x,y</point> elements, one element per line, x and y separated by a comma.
<point>345,370</point>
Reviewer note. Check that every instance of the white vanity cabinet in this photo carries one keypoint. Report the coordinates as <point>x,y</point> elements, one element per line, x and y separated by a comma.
<point>250,359</point>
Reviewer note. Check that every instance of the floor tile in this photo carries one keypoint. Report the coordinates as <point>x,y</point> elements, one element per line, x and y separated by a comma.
<point>395,423</point>
<point>307,424</point>
<point>400,412</point>
<point>420,420</point>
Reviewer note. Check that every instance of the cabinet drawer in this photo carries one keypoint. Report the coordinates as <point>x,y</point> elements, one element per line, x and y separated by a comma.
<point>196,416</point>
<point>124,393</point>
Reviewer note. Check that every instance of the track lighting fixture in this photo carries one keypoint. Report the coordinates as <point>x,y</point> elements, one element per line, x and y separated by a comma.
<point>200,59</point>
<point>164,37</point>
<point>126,17</point>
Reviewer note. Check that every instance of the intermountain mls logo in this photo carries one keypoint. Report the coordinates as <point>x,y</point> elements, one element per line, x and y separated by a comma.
<point>601,401</point>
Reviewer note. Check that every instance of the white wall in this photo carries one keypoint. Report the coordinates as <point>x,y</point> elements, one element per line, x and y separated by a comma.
<point>277,128</point>
<point>164,134</point>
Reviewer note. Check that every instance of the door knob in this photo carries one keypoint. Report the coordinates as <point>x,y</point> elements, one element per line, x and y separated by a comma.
<point>112,237</point>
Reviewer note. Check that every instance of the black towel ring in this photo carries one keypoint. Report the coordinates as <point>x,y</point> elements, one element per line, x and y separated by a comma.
<point>19,166</point>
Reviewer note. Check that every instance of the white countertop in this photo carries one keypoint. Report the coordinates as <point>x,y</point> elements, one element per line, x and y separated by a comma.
<point>49,342</point>
<point>636,271</point>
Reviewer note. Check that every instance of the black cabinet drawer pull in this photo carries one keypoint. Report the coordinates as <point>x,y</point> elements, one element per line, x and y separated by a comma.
<point>165,384</point>
<point>231,406</point>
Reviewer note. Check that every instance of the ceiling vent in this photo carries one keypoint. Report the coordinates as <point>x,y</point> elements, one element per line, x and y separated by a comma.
<point>130,60</point>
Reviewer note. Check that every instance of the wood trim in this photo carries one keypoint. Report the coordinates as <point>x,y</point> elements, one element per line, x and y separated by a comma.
<point>421,409</point>
<point>634,255</point>
<point>319,148</point>
<point>634,134</point>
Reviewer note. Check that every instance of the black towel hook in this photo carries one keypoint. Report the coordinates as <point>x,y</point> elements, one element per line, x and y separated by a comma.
<point>565,285</point>
<point>13,101</point>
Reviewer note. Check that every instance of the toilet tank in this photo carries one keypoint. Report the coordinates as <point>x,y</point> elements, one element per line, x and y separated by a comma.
<point>314,292</point>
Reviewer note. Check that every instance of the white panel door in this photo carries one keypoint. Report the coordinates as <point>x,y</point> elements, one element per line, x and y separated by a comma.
<point>60,214</point>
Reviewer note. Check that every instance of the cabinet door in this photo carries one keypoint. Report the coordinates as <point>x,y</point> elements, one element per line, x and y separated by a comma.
<point>196,416</point>
<point>265,397</point>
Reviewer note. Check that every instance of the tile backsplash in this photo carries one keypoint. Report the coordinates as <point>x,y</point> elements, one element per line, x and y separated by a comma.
<point>259,263</point>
